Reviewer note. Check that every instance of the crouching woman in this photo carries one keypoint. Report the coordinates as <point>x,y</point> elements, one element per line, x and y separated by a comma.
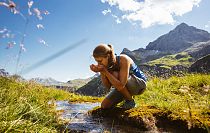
<point>119,73</point>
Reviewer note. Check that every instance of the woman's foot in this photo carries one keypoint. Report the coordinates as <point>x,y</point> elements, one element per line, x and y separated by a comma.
<point>128,104</point>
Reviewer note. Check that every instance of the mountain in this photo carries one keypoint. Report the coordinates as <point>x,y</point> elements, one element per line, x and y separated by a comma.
<point>142,55</point>
<point>179,39</point>
<point>202,65</point>
<point>93,88</point>
<point>47,81</point>
<point>131,54</point>
<point>199,49</point>
<point>183,38</point>
<point>71,85</point>
<point>77,83</point>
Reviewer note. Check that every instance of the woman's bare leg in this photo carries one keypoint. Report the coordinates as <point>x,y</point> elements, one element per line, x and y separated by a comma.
<point>107,103</point>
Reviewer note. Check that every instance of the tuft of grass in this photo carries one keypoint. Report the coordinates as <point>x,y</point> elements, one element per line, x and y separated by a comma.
<point>186,98</point>
<point>24,106</point>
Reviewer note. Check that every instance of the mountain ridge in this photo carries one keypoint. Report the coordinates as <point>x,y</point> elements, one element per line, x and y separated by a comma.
<point>178,39</point>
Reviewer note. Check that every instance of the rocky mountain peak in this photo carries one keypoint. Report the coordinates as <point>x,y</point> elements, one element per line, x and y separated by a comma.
<point>179,39</point>
<point>183,26</point>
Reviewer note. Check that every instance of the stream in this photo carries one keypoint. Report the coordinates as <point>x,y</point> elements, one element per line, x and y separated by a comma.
<point>80,121</point>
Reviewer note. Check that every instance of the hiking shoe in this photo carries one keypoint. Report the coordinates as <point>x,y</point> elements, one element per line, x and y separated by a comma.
<point>129,104</point>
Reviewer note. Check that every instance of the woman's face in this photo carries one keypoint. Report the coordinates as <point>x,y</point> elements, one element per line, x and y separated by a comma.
<point>102,61</point>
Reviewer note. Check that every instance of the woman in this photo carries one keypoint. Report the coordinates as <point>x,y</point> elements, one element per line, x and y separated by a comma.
<point>119,72</point>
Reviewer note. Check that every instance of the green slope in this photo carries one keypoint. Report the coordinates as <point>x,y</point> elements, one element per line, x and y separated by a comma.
<point>172,60</point>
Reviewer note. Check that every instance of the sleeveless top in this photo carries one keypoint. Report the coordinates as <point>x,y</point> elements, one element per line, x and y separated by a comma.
<point>134,69</point>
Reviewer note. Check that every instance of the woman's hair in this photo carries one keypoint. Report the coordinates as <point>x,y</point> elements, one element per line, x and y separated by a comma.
<point>103,50</point>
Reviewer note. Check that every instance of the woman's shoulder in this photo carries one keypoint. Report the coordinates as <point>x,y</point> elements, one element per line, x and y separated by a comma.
<point>125,58</point>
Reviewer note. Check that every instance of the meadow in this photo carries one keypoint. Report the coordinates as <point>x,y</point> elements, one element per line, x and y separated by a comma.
<point>24,106</point>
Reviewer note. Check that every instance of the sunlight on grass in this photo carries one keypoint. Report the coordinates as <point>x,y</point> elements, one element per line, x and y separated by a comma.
<point>186,98</point>
<point>24,106</point>
<point>173,60</point>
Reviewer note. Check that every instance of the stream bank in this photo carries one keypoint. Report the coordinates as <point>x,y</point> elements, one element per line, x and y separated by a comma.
<point>149,119</point>
<point>89,117</point>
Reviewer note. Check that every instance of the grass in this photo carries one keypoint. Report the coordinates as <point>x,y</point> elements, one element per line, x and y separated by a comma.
<point>186,98</point>
<point>179,102</point>
<point>24,106</point>
<point>173,60</point>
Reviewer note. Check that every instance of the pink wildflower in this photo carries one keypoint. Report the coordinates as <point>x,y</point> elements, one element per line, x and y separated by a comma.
<point>10,44</point>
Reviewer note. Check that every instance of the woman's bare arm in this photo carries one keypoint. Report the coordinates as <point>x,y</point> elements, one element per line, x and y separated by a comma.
<point>105,81</point>
<point>123,74</point>
<point>120,83</point>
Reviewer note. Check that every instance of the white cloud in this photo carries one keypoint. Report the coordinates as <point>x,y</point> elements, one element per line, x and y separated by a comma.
<point>106,11</point>
<point>117,19</point>
<point>124,5</point>
<point>206,26</point>
<point>151,12</point>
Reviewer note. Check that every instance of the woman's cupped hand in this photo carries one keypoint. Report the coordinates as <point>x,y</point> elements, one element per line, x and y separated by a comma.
<point>97,68</point>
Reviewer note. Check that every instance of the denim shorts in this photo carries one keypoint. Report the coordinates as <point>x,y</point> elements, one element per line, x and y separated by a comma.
<point>135,86</point>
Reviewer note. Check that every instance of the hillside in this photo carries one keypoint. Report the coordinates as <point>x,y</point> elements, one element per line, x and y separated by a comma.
<point>93,88</point>
<point>199,50</point>
<point>71,85</point>
<point>169,61</point>
<point>183,38</point>
<point>77,83</point>
<point>202,65</point>
<point>47,81</point>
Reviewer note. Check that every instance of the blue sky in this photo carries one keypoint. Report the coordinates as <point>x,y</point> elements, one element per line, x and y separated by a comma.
<point>129,25</point>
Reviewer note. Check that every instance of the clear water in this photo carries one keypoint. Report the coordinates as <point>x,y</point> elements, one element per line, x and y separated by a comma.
<point>80,121</point>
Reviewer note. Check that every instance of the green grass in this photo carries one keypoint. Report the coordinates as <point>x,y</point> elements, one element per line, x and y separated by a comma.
<point>24,106</point>
<point>186,98</point>
<point>172,60</point>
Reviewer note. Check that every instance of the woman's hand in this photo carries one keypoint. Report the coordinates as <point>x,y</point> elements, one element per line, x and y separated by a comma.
<point>101,68</point>
<point>94,68</point>
<point>97,68</point>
